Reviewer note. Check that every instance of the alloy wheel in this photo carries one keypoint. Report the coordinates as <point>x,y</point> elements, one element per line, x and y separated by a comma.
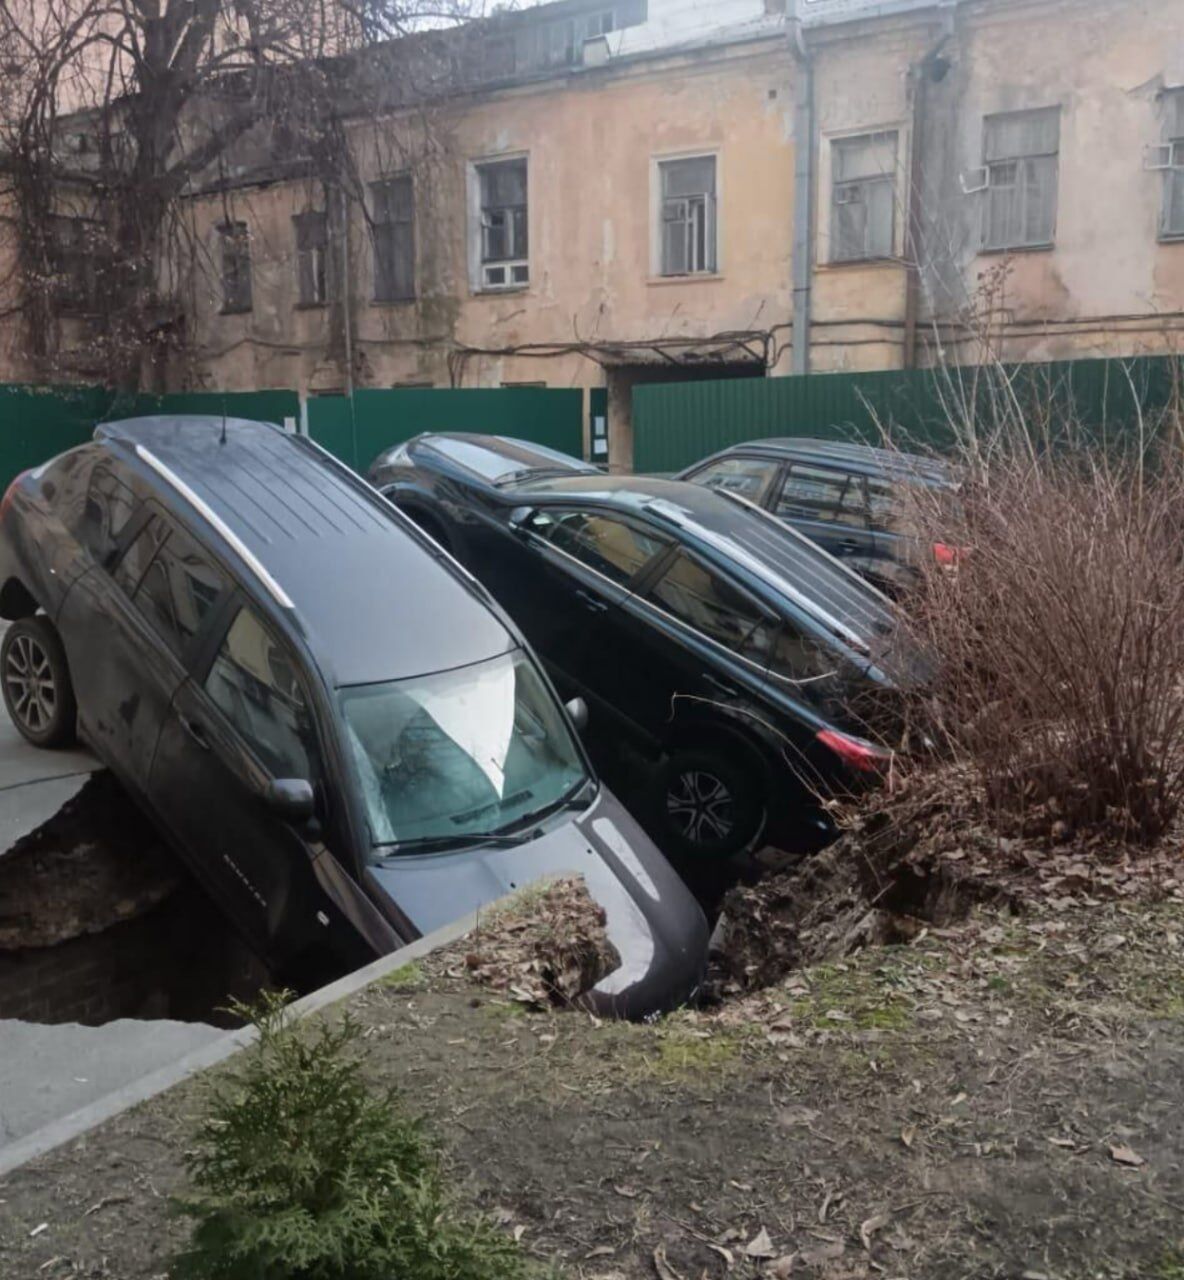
<point>29,683</point>
<point>701,806</point>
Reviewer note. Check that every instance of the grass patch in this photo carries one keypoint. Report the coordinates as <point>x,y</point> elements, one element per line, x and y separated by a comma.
<point>853,998</point>
<point>407,977</point>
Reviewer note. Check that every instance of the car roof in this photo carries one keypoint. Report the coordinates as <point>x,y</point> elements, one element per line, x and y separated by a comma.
<point>788,565</point>
<point>496,458</point>
<point>865,459</point>
<point>374,600</point>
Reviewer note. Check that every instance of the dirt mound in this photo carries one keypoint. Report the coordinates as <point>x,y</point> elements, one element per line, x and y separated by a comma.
<point>545,947</point>
<point>921,855</point>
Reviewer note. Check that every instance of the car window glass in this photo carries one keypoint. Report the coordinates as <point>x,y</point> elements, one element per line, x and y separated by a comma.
<point>254,683</point>
<point>797,657</point>
<point>136,558</point>
<point>710,604</point>
<point>179,590</point>
<point>816,493</point>
<point>110,504</point>
<point>745,476</point>
<point>611,547</point>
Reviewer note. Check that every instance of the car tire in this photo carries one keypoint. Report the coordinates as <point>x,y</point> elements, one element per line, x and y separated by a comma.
<point>706,806</point>
<point>35,679</point>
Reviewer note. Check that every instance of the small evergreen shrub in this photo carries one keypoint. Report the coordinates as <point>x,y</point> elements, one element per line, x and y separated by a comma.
<point>301,1172</point>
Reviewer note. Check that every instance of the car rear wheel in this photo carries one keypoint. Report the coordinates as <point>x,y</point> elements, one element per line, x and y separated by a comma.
<point>35,679</point>
<point>707,806</point>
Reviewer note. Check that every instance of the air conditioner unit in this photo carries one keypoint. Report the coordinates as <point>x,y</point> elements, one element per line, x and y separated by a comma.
<point>1158,157</point>
<point>972,181</point>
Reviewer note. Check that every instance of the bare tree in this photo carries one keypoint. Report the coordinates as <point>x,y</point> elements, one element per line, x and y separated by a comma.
<point>118,109</point>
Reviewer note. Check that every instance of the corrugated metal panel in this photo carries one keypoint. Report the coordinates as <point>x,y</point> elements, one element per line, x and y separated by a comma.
<point>37,423</point>
<point>679,423</point>
<point>378,419</point>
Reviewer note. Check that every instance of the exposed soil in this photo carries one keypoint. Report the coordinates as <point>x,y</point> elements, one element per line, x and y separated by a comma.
<point>998,1098</point>
<point>96,862</point>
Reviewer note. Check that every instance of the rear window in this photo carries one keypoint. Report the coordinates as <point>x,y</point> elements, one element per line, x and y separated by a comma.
<point>110,504</point>
<point>507,459</point>
<point>711,605</point>
<point>794,567</point>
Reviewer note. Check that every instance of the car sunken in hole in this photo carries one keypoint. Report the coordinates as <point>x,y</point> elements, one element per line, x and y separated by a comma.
<point>754,672</point>
<point>345,737</point>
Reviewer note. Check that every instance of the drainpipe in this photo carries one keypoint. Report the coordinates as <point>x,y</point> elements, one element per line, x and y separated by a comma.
<point>931,69</point>
<point>803,200</point>
<point>347,312</point>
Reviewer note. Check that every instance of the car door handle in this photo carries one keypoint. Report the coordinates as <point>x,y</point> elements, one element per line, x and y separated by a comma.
<point>849,546</point>
<point>590,602</point>
<point>196,732</point>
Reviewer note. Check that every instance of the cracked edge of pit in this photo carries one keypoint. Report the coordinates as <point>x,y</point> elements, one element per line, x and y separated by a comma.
<point>65,1129</point>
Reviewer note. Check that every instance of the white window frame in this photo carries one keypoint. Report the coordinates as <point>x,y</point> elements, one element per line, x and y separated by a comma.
<point>1172,163</point>
<point>837,141</point>
<point>511,274</point>
<point>992,180</point>
<point>714,228</point>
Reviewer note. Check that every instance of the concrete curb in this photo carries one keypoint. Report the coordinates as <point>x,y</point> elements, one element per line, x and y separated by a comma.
<point>96,1113</point>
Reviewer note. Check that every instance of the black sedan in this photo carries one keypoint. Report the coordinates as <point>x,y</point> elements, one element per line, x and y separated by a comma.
<point>741,660</point>
<point>852,499</point>
<point>347,740</point>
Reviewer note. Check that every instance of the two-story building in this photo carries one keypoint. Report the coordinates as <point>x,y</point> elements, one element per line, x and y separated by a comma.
<point>611,191</point>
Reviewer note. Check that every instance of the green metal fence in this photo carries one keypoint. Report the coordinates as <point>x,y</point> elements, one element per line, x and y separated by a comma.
<point>358,431</point>
<point>675,424</point>
<point>37,423</point>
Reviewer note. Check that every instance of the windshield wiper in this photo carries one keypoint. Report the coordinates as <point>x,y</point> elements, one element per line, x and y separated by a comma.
<point>573,798</point>
<point>467,840</point>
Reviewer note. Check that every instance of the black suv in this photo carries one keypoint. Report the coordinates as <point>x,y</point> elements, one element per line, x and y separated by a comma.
<point>347,740</point>
<point>739,659</point>
<point>849,498</point>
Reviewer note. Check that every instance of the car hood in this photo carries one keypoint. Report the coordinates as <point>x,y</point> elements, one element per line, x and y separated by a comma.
<point>651,918</point>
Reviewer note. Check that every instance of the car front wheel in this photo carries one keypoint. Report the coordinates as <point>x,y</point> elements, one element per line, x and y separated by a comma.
<point>707,806</point>
<point>35,679</point>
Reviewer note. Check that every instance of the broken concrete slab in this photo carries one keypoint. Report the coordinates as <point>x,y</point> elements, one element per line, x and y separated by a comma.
<point>47,1072</point>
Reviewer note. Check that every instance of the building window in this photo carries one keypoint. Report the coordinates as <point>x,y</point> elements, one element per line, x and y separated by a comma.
<point>863,204</point>
<point>76,247</point>
<point>688,216</point>
<point>600,23</point>
<point>1020,152</point>
<point>312,244</point>
<point>1173,177</point>
<point>393,232</point>
<point>236,267</point>
<point>505,239</point>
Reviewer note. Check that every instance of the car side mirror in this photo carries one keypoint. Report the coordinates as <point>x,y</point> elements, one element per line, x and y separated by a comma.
<point>577,710</point>
<point>518,518</point>
<point>292,799</point>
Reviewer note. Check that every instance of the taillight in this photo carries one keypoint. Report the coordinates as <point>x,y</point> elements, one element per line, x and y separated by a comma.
<point>855,752</point>
<point>946,555</point>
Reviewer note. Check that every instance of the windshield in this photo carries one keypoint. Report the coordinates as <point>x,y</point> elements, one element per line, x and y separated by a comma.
<point>464,752</point>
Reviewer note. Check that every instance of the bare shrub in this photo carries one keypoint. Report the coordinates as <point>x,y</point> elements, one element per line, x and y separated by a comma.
<point>1058,630</point>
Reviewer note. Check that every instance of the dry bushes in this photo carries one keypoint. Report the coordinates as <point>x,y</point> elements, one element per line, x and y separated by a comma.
<point>1058,634</point>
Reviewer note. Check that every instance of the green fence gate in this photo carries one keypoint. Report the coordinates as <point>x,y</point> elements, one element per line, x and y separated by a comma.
<point>358,431</point>
<point>675,424</point>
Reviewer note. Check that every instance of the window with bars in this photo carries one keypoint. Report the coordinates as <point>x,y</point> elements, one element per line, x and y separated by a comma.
<point>505,224</point>
<point>236,267</point>
<point>688,216</point>
<point>77,249</point>
<point>1021,158</point>
<point>1172,222</point>
<point>393,235</point>
<point>312,246</point>
<point>863,197</point>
